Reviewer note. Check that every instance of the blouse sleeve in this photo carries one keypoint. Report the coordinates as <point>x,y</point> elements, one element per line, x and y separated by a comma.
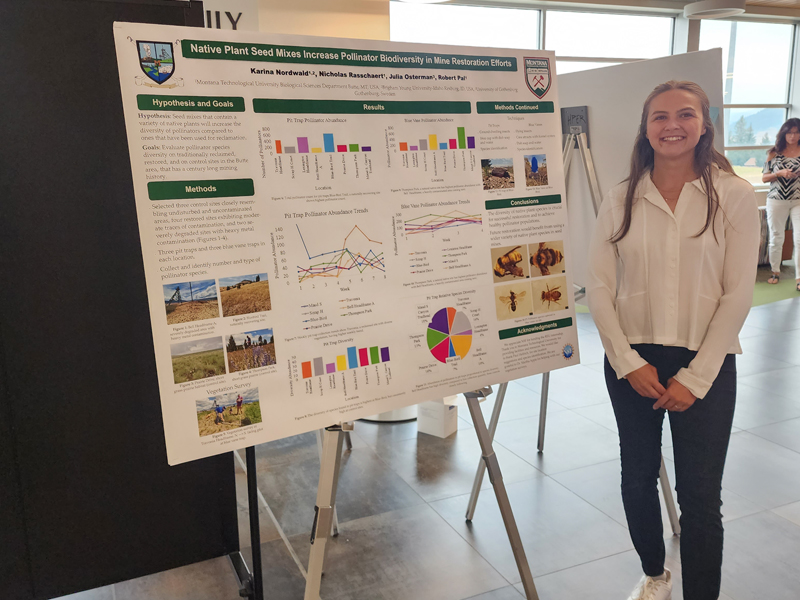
<point>601,292</point>
<point>742,231</point>
<point>768,165</point>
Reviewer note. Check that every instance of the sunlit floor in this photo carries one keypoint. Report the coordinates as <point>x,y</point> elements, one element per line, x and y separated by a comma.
<point>403,495</point>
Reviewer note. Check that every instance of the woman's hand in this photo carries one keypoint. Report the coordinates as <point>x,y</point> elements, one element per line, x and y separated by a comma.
<point>645,381</point>
<point>786,174</point>
<point>676,398</point>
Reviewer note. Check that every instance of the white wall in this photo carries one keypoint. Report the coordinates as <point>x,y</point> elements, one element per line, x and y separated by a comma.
<point>365,19</point>
<point>615,96</point>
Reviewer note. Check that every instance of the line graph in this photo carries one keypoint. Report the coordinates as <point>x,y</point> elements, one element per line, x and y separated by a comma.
<point>433,222</point>
<point>355,253</point>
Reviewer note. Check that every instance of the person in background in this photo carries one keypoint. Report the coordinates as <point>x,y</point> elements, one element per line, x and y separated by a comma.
<point>672,269</point>
<point>782,172</point>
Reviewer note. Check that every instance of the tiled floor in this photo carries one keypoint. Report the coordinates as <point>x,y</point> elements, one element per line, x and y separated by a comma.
<point>402,497</point>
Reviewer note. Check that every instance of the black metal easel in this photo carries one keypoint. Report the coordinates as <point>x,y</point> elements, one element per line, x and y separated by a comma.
<point>251,585</point>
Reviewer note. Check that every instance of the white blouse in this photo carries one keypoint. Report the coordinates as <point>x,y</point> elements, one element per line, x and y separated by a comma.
<point>662,285</point>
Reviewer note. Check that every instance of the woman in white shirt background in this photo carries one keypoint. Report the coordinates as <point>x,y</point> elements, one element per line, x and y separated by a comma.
<point>671,276</point>
<point>782,172</point>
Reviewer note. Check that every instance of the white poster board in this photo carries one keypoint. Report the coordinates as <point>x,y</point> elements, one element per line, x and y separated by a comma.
<point>615,96</point>
<point>337,228</point>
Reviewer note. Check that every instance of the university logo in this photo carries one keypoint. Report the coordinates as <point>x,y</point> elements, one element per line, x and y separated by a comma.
<point>537,75</point>
<point>156,60</point>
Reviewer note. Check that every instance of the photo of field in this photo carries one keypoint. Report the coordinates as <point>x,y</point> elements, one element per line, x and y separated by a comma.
<point>547,258</point>
<point>244,294</point>
<point>250,350</point>
<point>197,359</point>
<point>191,301</point>
<point>228,411</point>
<point>550,295</point>
<point>535,170</point>
<point>513,301</point>
<point>498,173</point>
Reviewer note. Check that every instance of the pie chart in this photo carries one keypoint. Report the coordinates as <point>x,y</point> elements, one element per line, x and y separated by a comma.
<point>449,335</point>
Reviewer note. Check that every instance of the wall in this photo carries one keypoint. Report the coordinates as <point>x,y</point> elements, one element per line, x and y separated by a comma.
<point>365,19</point>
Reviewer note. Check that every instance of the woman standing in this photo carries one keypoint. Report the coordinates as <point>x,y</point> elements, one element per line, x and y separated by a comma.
<point>672,270</point>
<point>781,171</point>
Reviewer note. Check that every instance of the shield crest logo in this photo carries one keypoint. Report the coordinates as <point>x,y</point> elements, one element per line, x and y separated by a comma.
<point>537,75</point>
<point>157,60</point>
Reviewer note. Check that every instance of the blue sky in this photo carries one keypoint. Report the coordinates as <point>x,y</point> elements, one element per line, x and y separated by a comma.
<point>193,346</point>
<point>506,163</point>
<point>201,290</point>
<point>240,337</point>
<point>228,399</point>
<point>225,281</point>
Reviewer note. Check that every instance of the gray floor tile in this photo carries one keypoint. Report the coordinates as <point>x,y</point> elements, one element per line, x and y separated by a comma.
<point>519,403</point>
<point>506,593</point>
<point>103,593</point>
<point>572,387</point>
<point>380,435</point>
<point>571,442</point>
<point>790,512</point>
<point>266,526</point>
<point>782,382</point>
<point>782,345</point>
<point>439,468</point>
<point>558,529</point>
<point>761,558</point>
<point>281,575</point>
<point>785,433</point>
<point>399,555</point>
<point>207,580</point>
<point>751,363</point>
<point>755,407</point>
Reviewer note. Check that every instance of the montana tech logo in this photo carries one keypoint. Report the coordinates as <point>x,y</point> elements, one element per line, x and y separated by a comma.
<point>156,60</point>
<point>537,75</point>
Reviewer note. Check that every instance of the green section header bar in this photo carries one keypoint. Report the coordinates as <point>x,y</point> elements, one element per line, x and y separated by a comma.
<point>355,107</point>
<point>522,202</point>
<point>209,50</point>
<point>538,328</point>
<point>195,103</point>
<point>514,107</point>
<point>209,188</point>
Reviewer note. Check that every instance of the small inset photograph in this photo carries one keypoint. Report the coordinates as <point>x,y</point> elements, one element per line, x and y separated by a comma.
<point>513,301</point>
<point>197,359</point>
<point>244,294</point>
<point>549,294</point>
<point>191,301</point>
<point>498,173</point>
<point>250,350</point>
<point>228,411</point>
<point>509,263</point>
<point>535,170</point>
<point>547,258</point>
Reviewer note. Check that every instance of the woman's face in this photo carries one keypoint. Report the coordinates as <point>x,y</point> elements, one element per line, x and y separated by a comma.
<point>675,124</point>
<point>793,136</point>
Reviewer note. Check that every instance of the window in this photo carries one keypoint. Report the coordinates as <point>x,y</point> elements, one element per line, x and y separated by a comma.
<point>464,25</point>
<point>756,61</point>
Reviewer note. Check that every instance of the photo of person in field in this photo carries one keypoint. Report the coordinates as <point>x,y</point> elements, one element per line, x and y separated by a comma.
<point>250,350</point>
<point>228,411</point>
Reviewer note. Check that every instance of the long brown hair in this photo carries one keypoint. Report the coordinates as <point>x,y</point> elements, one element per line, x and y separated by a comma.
<point>780,140</point>
<point>705,157</point>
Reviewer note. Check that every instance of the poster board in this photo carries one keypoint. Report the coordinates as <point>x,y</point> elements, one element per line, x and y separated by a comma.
<point>336,228</point>
<point>614,120</point>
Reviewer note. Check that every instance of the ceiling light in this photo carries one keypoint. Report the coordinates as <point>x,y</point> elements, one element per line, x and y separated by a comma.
<point>713,9</point>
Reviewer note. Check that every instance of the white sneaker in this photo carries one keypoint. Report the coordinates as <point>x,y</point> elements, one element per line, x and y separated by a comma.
<point>653,589</point>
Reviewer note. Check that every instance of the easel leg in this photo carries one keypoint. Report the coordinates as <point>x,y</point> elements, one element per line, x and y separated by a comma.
<point>476,486</point>
<point>320,432</point>
<point>543,409</point>
<point>496,477</point>
<point>255,528</point>
<point>326,500</point>
<point>669,499</point>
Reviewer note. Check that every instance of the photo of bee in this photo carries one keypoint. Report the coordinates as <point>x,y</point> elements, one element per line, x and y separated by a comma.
<point>550,295</point>
<point>547,258</point>
<point>509,263</point>
<point>513,301</point>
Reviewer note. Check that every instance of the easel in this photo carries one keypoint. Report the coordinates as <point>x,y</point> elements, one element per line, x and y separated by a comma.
<point>325,510</point>
<point>251,585</point>
<point>570,141</point>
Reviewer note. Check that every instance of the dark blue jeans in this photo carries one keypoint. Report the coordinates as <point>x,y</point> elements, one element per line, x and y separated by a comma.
<point>700,438</point>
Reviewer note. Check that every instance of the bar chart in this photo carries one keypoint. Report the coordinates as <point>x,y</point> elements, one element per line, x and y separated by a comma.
<point>301,146</point>
<point>353,358</point>
<point>432,142</point>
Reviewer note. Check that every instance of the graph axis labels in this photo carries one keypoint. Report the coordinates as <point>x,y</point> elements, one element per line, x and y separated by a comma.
<point>449,335</point>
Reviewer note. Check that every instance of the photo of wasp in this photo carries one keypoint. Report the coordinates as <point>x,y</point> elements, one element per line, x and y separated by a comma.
<point>508,263</point>
<point>512,299</point>
<point>545,257</point>
<point>553,296</point>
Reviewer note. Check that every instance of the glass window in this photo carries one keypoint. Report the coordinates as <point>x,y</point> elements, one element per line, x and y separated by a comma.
<point>748,164</point>
<point>755,59</point>
<point>464,25</point>
<point>753,126</point>
<point>569,66</point>
<point>601,35</point>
